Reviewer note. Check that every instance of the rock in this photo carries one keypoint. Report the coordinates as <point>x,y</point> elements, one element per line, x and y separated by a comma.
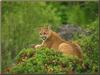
<point>67,31</point>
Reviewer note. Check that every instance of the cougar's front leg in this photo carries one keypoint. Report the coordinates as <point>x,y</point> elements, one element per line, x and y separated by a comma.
<point>39,46</point>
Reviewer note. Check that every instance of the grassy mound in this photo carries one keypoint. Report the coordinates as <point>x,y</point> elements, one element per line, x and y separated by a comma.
<point>46,60</point>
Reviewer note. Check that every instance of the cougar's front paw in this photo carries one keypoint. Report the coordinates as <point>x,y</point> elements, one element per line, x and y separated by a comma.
<point>37,46</point>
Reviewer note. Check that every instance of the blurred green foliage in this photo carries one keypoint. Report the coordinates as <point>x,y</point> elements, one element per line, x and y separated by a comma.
<point>20,21</point>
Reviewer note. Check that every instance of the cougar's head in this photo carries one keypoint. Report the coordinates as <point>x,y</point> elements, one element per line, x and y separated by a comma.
<point>44,33</point>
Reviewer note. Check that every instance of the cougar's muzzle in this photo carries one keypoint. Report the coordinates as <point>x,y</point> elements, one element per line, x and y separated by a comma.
<point>43,37</point>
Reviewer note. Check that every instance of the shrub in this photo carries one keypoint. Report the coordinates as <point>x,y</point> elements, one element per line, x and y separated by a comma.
<point>46,60</point>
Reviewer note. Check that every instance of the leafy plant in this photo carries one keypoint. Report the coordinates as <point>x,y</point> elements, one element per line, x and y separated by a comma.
<point>50,61</point>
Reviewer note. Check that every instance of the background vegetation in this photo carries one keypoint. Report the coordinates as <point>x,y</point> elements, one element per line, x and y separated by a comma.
<point>20,21</point>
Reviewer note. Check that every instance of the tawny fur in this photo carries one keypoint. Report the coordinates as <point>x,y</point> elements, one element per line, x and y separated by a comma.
<point>55,42</point>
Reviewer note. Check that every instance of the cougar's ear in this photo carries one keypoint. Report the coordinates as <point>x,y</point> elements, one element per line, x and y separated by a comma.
<point>49,27</point>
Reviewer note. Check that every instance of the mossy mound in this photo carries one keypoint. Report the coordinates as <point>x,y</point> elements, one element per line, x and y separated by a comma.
<point>46,60</point>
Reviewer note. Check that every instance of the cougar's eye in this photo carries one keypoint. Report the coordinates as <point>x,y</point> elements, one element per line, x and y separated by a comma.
<point>40,33</point>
